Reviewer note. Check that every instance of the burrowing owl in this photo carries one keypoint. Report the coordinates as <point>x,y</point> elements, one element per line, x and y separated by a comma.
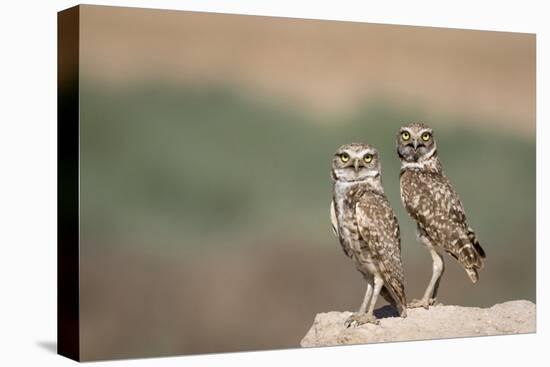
<point>430,199</point>
<point>367,228</point>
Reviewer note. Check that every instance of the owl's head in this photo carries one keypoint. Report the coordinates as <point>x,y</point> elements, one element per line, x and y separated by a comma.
<point>416,143</point>
<point>355,162</point>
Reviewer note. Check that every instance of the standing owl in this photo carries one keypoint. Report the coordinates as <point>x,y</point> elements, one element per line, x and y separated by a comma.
<point>367,228</point>
<point>430,199</point>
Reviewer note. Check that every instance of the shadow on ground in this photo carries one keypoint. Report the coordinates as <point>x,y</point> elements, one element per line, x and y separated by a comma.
<point>48,345</point>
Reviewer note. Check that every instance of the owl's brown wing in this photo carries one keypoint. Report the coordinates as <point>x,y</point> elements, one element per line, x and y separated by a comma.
<point>435,205</point>
<point>379,230</point>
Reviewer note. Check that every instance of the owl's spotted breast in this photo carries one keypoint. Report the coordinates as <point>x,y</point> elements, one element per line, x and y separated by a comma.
<point>430,199</point>
<point>345,199</point>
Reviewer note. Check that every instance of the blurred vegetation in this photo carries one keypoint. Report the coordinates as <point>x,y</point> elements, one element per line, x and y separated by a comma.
<point>205,227</point>
<point>166,162</point>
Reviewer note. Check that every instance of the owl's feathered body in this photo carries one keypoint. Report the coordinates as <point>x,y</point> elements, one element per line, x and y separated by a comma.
<point>433,203</point>
<point>369,234</point>
<point>367,227</point>
<point>430,199</point>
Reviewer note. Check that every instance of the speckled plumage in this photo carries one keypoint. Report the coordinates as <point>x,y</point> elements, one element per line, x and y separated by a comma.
<point>367,228</point>
<point>433,203</point>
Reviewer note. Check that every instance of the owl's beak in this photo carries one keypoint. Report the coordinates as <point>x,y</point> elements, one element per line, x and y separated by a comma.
<point>415,144</point>
<point>356,165</point>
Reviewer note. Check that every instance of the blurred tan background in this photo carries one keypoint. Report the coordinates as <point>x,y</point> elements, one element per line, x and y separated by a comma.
<point>206,142</point>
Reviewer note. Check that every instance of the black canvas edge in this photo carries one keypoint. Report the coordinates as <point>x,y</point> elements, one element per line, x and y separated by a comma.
<point>68,315</point>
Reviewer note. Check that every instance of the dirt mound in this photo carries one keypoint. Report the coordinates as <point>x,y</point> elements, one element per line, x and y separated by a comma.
<point>514,317</point>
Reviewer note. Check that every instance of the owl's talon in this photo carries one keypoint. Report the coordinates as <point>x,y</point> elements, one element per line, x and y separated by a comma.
<point>358,319</point>
<point>416,303</point>
<point>349,323</point>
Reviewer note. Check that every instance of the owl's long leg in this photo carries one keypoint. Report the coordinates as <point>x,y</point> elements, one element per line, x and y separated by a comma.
<point>378,283</point>
<point>431,291</point>
<point>371,296</point>
<point>366,300</point>
<point>441,268</point>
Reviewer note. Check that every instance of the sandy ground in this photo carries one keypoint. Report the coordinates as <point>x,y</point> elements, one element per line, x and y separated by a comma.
<point>513,317</point>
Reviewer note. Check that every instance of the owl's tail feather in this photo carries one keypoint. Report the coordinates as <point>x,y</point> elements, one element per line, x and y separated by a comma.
<point>475,242</point>
<point>398,302</point>
<point>471,255</point>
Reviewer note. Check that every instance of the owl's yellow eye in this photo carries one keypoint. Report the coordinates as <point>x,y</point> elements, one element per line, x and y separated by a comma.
<point>344,157</point>
<point>426,136</point>
<point>367,158</point>
<point>405,135</point>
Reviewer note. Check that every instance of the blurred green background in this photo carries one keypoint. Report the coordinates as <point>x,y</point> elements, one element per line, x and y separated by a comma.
<point>205,196</point>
